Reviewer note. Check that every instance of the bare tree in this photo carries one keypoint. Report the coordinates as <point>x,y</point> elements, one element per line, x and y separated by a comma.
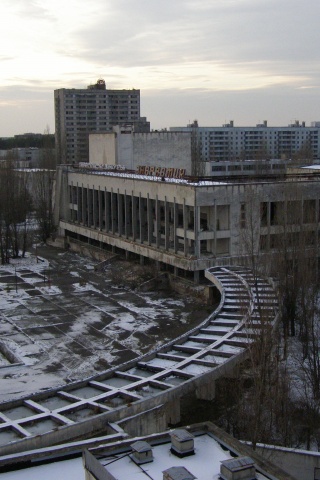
<point>265,403</point>
<point>15,208</point>
<point>43,203</point>
<point>43,190</point>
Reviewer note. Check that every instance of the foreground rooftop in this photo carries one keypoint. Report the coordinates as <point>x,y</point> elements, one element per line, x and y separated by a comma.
<point>212,447</point>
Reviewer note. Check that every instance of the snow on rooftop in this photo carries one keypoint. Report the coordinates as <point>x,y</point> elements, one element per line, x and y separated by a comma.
<point>312,167</point>
<point>64,470</point>
<point>204,465</point>
<point>153,178</point>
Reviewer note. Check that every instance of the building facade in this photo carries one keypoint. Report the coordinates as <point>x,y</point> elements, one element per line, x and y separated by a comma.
<point>229,143</point>
<point>124,146</point>
<point>24,157</point>
<point>94,109</point>
<point>167,149</point>
<point>184,225</point>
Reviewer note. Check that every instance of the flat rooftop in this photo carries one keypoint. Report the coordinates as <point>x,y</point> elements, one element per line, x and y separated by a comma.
<point>204,464</point>
<point>193,181</point>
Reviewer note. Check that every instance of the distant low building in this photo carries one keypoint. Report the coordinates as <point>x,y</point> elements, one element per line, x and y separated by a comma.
<point>28,157</point>
<point>230,143</point>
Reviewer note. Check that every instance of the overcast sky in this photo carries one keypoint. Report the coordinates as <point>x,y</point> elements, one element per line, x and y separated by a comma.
<point>211,60</point>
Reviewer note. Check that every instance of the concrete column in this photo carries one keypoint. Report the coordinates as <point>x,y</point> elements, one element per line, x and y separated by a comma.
<point>120,213</point>
<point>78,203</point>
<point>157,223</point>
<point>196,231</point>
<point>106,210</point>
<point>207,391</point>
<point>141,260</point>
<point>94,207</point>
<point>149,219</point>
<point>134,217</point>
<point>173,412</point>
<point>113,213</point>
<point>71,200</point>
<point>84,206</point>
<point>175,225</point>
<point>166,224</point>
<point>116,212</point>
<point>127,215</point>
<point>185,227</point>
<point>142,219</point>
<point>196,276</point>
<point>99,209</point>
<point>89,206</point>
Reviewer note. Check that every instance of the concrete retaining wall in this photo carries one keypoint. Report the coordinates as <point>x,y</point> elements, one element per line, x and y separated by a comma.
<point>301,464</point>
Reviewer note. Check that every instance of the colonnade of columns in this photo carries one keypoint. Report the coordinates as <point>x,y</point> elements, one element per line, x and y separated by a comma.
<point>160,223</point>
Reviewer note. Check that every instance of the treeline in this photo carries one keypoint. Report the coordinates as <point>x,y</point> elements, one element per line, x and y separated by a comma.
<point>275,398</point>
<point>25,209</point>
<point>33,140</point>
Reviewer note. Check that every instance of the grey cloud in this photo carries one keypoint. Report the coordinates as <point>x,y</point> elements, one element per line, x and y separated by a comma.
<point>32,9</point>
<point>269,38</point>
<point>5,58</point>
<point>162,33</point>
<point>278,105</point>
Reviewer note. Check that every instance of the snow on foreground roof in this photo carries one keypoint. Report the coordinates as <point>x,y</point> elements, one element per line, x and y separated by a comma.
<point>63,470</point>
<point>204,465</point>
<point>312,167</point>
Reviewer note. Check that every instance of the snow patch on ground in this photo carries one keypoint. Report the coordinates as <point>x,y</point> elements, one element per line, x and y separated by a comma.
<point>85,287</point>
<point>31,261</point>
<point>63,330</point>
<point>50,290</point>
<point>75,274</point>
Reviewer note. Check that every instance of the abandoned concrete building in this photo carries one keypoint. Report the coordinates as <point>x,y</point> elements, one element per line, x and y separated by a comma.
<point>183,224</point>
<point>79,111</point>
<point>131,148</point>
<point>230,142</point>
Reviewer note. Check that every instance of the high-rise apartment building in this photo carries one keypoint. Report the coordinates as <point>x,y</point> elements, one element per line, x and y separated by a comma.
<point>79,112</point>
